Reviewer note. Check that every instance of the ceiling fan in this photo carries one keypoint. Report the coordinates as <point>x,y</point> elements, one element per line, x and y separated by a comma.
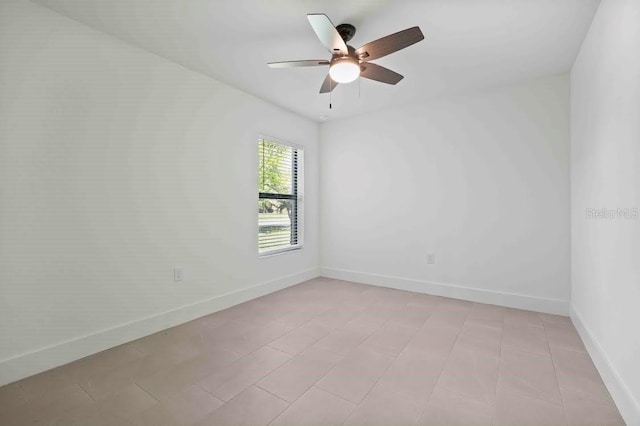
<point>346,63</point>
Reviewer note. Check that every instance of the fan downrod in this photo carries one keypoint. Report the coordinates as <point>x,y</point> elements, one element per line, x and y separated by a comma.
<point>346,31</point>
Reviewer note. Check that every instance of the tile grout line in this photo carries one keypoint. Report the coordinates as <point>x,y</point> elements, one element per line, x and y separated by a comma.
<point>305,392</point>
<point>371,388</point>
<point>252,384</point>
<point>147,392</point>
<point>426,405</point>
<point>314,385</point>
<point>555,375</point>
<point>495,411</point>
<point>85,391</point>
<point>292,357</point>
<point>537,398</point>
<point>269,392</point>
<point>388,367</point>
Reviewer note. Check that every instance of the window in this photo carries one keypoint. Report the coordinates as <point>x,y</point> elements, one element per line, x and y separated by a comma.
<point>279,197</point>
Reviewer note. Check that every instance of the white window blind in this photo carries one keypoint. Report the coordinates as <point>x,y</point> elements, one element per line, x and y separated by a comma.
<point>279,196</point>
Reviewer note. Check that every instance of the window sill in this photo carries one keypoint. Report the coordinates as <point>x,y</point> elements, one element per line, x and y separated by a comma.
<point>279,251</point>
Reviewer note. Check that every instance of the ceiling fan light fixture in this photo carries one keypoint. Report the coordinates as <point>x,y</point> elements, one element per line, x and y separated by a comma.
<point>346,63</point>
<point>344,70</point>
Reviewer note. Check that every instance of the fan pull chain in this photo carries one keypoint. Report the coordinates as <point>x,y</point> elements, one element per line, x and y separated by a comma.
<point>330,91</point>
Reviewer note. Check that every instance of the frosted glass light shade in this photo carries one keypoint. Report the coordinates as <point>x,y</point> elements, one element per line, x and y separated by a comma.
<point>344,70</point>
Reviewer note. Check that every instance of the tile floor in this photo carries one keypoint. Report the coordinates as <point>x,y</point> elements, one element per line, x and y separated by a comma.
<point>329,352</point>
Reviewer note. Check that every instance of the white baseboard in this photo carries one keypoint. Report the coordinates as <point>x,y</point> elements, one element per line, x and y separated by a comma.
<point>43,359</point>
<point>627,404</point>
<point>511,300</point>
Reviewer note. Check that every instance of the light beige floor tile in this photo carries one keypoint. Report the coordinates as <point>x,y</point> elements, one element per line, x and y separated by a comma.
<point>36,386</point>
<point>354,376</point>
<point>211,322</point>
<point>297,375</point>
<point>590,412</point>
<point>492,313</point>
<point>102,384</point>
<point>233,379</point>
<point>564,337</point>
<point>195,327</point>
<point>252,339</point>
<point>161,341</point>
<point>413,375</point>
<point>412,316</point>
<point>384,296</point>
<point>384,311</point>
<point>341,294</point>
<point>457,356</point>
<point>451,409</point>
<point>578,377</point>
<point>448,315</point>
<point>434,339</point>
<point>528,374</point>
<point>261,311</point>
<point>390,339</point>
<point>228,330</point>
<point>129,401</point>
<point>515,409</point>
<point>86,414</point>
<point>463,305</point>
<point>471,372</point>
<point>252,407</point>
<point>482,328</point>
<point>382,407</point>
<point>157,415</point>
<point>518,316</point>
<point>301,316</point>
<point>315,408</point>
<point>101,362</point>
<point>341,340</point>
<point>366,322</point>
<point>548,319</point>
<point>485,322</point>
<point>301,338</point>
<point>526,338</point>
<point>186,373</point>
<point>47,406</point>
<point>191,405</point>
<point>11,396</point>
<point>480,337</point>
<point>424,300</point>
<point>339,315</point>
<point>60,400</point>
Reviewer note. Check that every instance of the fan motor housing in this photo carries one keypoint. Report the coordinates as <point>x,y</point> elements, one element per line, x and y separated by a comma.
<point>351,54</point>
<point>346,31</point>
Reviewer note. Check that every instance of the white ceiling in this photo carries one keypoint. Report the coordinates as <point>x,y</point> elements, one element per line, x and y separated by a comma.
<point>469,44</point>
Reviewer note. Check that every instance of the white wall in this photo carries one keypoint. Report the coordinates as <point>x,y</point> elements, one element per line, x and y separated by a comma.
<point>115,166</point>
<point>605,174</point>
<point>481,181</point>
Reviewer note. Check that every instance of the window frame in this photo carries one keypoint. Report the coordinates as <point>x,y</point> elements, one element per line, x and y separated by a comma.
<point>297,196</point>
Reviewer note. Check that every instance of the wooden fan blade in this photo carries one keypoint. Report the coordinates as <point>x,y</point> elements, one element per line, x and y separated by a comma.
<point>328,85</point>
<point>327,33</point>
<point>378,73</point>
<point>293,64</point>
<point>389,44</point>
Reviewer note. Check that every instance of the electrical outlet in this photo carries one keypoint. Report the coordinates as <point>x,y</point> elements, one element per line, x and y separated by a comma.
<point>178,274</point>
<point>431,258</point>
